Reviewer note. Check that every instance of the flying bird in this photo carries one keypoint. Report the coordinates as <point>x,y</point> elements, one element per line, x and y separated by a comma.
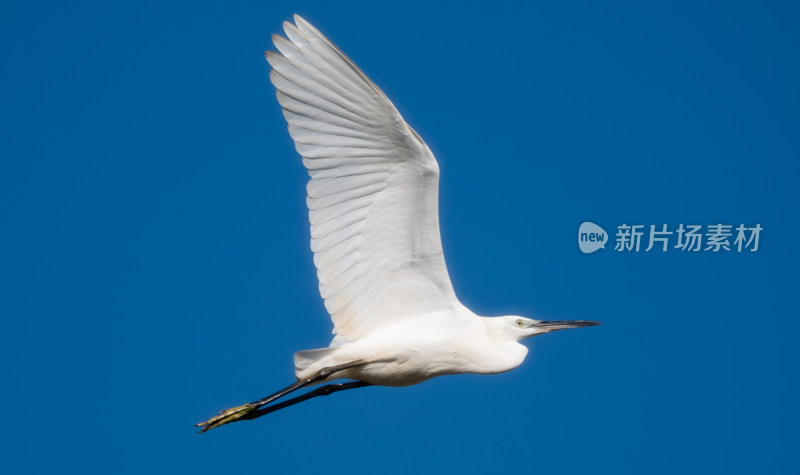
<point>373,208</point>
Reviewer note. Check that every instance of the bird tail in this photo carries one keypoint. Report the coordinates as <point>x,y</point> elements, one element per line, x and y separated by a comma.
<point>304,359</point>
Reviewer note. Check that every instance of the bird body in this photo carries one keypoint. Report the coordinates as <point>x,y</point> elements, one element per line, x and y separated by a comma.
<point>373,210</point>
<point>413,350</point>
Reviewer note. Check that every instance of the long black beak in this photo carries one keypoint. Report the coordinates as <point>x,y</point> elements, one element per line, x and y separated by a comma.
<point>552,326</point>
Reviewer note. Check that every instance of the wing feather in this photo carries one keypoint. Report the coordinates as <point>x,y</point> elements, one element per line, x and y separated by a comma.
<point>372,193</point>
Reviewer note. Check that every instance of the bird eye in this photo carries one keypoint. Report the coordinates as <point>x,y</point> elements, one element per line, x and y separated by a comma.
<point>519,323</point>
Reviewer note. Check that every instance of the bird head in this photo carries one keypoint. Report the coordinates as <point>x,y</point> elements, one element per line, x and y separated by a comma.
<point>521,327</point>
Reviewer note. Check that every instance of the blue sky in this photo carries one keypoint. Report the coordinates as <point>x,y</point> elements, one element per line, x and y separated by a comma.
<point>154,245</point>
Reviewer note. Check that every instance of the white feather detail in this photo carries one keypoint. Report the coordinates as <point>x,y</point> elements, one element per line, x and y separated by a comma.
<point>372,193</point>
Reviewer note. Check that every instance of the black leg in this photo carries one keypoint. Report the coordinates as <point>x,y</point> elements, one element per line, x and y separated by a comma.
<point>323,391</point>
<point>240,412</point>
<point>318,376</point>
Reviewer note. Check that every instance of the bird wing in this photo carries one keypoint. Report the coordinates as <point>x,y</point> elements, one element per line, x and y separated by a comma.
<point>372,196</point>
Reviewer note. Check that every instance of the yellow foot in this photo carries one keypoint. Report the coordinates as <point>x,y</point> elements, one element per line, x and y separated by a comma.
<point>226,417</point>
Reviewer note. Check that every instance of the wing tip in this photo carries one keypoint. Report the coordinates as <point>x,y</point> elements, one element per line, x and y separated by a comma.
<point>273,57</point>
<point>289,27</point>
<point>308,29</point>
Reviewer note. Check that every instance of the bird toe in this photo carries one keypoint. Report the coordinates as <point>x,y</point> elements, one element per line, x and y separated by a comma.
<point>226,417</point>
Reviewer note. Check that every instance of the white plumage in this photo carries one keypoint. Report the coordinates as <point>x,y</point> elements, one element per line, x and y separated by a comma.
<point>373,208</point>
<point>372,196</point>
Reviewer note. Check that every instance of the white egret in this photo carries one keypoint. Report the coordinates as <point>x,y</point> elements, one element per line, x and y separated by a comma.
<point>373,207</point>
